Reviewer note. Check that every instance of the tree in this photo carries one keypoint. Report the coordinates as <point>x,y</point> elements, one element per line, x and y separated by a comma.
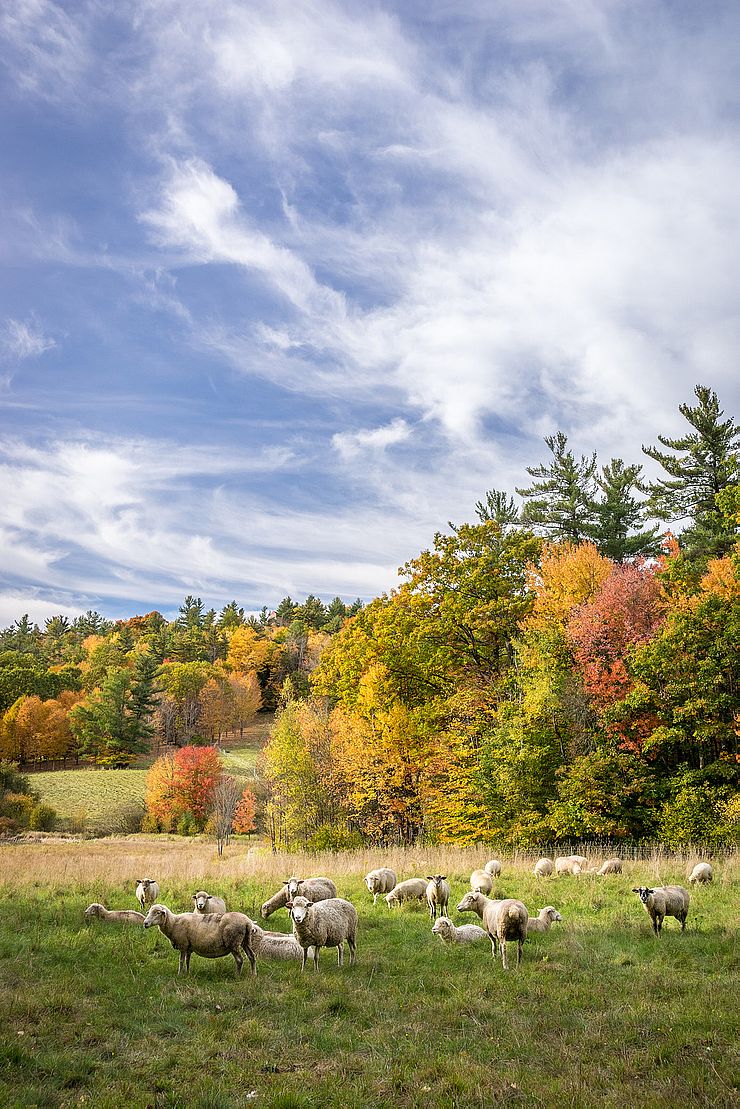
<point>182,786</point>
<point>231,616</point>
<point>619,514</point>
<point>560,503</point>
<point>244,822</point>
<point>246,699</point>
<point>104,725</point>
<point>225,799</point>
<point>500,508</point>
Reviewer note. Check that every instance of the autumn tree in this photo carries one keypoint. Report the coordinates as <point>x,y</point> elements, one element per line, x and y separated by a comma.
<point>244,817</point>
<point>225,799</point>
<point>180,787</point>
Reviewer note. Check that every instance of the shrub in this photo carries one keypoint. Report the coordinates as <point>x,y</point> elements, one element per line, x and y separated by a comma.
<point>42,818</point>
<point>187,825</point>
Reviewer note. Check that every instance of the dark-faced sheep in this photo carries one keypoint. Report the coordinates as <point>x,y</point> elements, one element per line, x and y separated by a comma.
<point>664,901</point>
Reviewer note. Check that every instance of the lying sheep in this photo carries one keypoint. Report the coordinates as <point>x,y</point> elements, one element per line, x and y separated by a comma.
<point>413,889</point>
<point>437,894</point>
<point>382,880</point>
<point>611,866</point>
<point>570,864</point>
<point>465,933</point>
<point>543,868</point>
<point>328,923</point>
<point>702,872</point>
<point>316,889</point>
<point>147,892</point>
<point>114,916</point>
<point>493,867</point>
<point>664,901</point>
<point>205,903</point>
<point>542,922</point>
<point>210,936</point>
<point>276,945</point>
<point>481,881</point>
<point>502,920</point>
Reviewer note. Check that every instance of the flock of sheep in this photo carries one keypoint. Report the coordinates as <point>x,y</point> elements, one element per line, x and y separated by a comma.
<point>321,919</point>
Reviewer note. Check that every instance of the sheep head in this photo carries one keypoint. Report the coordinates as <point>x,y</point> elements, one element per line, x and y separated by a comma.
<point>156,915</point>
<point>298,908</point>
<point>469,903</point>
<point>643,893</point>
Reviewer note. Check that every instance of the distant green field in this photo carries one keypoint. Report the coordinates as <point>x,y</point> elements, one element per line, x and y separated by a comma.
<point>241,761</point>
<point>94,793</point>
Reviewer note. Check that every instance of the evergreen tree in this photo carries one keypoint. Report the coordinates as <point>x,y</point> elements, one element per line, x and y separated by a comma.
<point>500,508</point>
<point>144,697</point>
<point>619,514</point>
<point>560,503</point>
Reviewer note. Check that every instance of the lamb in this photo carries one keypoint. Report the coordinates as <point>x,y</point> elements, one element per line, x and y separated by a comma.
<point>543,868</point>
<point>664,901</point>
<point>206,903</point>
<point>208,935</point>
<point>493,867</point>
<point>611,866</point>
<point>465,933</point>
<point>502,920</point>
<point>437,894</point>
<point>702,872</point>
<point>570,864</point>
<point>382,880</point>
<point>147,892</point>
<point>114,916</point>
<point>542,922</point>
<point>481,881</point>
<point>316,889</point>
<point>413,889</point>
<point>328,923</point>
<point>276,945</point>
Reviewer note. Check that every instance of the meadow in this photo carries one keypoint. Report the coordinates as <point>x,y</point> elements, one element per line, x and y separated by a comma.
<point>600,1012</point>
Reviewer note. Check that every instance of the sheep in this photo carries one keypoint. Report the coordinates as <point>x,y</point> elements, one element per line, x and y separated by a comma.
<point>702,872</point>
<point>450,933</point>
<point>316,889</point>
<point>437,894</point>
<point>278,901</point>
<point>206,903</point>
<point>543,868</point>
<point>493,867</point>
<point>542,922</point>
<point>276,945</point>
<point>611,866</point>
<point>502,920</point>
<point>331,922</point>
<point>413,889</point>
<point>208,935</point>
<point>117,916</point>
<point>382,880</point>
<point>481,881</point>
<point>664,901</point>
<point>570,864</point>
<point>147,892</point>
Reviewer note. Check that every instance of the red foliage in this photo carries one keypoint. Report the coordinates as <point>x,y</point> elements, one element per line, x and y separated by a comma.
<point>183,783</point>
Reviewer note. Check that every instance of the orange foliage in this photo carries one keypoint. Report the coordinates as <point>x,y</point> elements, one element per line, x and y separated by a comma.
<point>569,575</point>
<point>244,815</point>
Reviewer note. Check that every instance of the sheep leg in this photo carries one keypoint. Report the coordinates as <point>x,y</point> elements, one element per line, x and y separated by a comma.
<point>316,957</point>
<point>519,952</point>
<point>504,960</point>
<point>181,963</point>
<point>304,951</point>
<point>238,960</point>
<point>247,948</point>
<point>340,954</point>
<point>494,948</point>
<point>352,949</point>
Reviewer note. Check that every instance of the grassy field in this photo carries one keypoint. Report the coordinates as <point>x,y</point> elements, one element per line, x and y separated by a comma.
<point>600,1013</point>
<point>89,797</point>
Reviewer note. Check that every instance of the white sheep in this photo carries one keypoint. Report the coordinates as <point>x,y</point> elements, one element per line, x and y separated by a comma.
<point>276,945</point>
<point>611,866</point>
<point>542,922</point>
<point>664,901</point>
<point>413,889</point>
<point>328,923</point>
<point>437,894</point>
<point>210,936</point>
<point>570,864</point>
<point>114,916</point>
<point>316,889</point>
<point>207,903</point>
<point>465,933</point>
<point>702,872</point>
<point>147,892</point>
<point>502,920</point>
<point>382,880</point>
<point>493,867</point>
<point>481,881</point>
<point>543,868</point>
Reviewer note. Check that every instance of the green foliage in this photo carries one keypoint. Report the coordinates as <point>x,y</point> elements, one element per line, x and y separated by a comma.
<point>43,818</point>
<point>605,794</point>
<point>561,501</point>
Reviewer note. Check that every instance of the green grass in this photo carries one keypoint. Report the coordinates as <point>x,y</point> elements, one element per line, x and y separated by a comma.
<point>240,761</point>
<point>600,1013</point>
<point>95,793</point>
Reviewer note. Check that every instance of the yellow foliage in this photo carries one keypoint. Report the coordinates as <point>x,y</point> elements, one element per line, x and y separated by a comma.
<point>569,574</point>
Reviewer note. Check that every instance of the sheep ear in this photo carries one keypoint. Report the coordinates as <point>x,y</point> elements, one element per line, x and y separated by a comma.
<point>288,904</point>
<point>430,878</point>
<point>442,877</point>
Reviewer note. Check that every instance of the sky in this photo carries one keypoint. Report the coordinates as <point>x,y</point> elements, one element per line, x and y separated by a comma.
<point>287,286</point>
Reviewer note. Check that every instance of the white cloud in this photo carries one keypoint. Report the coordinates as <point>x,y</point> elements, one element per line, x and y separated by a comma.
<point>24,339</point>
<point>349,444</point>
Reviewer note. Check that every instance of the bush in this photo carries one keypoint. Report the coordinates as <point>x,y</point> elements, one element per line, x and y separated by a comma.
<point>187,825</point>
<point>42,819</point>
<point>699,814</point>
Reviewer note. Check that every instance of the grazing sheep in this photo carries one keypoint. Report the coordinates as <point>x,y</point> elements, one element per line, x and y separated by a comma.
<point>278,901</point>
<point>542,922</point>
<point>114,916</point>
<point>437,894</point>
<point>323,888</point>
<point>702,872</point>
<point>502,920</point>
<point>664,901</point>
<point>382,880</point>
<point>570,864</point>
<point>276,945</point>
<point>543,868</point>
<point>493,867</point>
<point>206,903</point>
<point>450,933</point>
<point>413,889</point>
<point>147,892</point>
<point>328,923</point>
<point>611,866</point>
<point>481,881</point>
<point>207,935</point>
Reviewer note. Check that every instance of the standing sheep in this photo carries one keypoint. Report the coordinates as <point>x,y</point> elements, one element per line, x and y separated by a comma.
<point>324,888</point>
<point>502,920</point>
<point>481,881</point>
<point>328,923</point>
<point>702,872</point>
<point>147,892</point>
<point>570,864</point>
<point>611,866</point>
<point>493,867</point>
<point>437,894</point>
<point>542,922</point>
<point>205,903</point>
<point>664,901</point>
<point>209,936</point>
<point>382,880</point>
<point>413,889</point>
<point>543,868</point>
<point>114,916</point>
<point>465,933</point>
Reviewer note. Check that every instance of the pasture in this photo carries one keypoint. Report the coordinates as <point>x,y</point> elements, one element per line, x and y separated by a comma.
<point>600,1013</point>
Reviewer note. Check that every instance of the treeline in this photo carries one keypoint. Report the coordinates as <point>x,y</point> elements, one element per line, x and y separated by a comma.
<point>555,670</point>
<point>101,691</point>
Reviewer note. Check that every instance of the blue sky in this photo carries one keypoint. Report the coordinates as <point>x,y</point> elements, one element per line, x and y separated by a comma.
<point>284,287</point>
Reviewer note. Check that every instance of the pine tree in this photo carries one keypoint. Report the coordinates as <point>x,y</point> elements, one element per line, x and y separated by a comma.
<point>619,514</point>
<point>561,502</point>
<point>500,508</point>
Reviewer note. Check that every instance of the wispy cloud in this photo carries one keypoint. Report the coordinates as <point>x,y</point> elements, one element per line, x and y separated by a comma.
<point>21,339</point>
